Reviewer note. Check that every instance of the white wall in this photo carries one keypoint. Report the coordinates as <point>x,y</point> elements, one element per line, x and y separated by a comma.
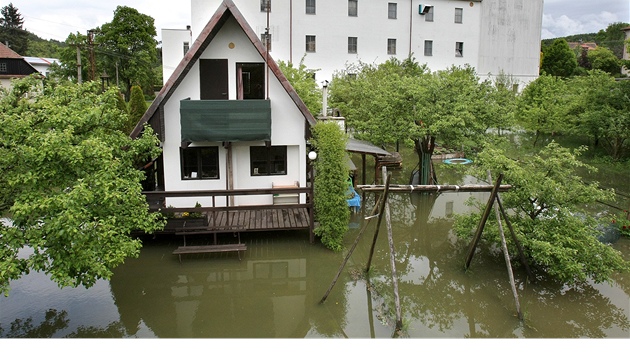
<point>287,128</point>
<point>173,49</point>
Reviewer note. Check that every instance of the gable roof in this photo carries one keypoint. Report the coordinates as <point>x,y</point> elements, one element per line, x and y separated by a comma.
<point>6,52</point>
<point>226,10</point>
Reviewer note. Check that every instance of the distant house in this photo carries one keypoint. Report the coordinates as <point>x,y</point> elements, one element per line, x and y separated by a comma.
<point>228,119</point>
<point>587,46</point>
<point>42,64</point>
<point>13,66</point>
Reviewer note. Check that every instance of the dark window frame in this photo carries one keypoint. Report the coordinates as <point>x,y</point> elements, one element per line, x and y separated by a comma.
<point>311,44</point>
<point>263,5</point>
<point>353,45</point>
<point>188,152</point>
<point>311,7</point>
<point>428,17</point>
<point>273,160</point>
<point>392,10</point>
<point>459,15</point>
<point>459,49</point>
<point>391,46</point>
<point>353,8</point>
<point>428,48</point>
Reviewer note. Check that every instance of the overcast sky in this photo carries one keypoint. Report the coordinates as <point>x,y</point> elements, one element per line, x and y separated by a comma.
<point>55,19</point>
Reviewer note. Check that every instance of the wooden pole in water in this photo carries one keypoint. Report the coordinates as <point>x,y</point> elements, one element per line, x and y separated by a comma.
<point>392,257</point>
<point>482,222</point>
<point>378,224</point>
<point>506,255</point>
<point>516,241</point>
<point>354,245</point>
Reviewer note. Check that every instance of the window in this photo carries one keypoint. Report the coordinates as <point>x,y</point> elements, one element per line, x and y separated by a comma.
<point>459,15</point>
<point>428,17</point>
<point>391,10</point>
<point>251,86</point>
<point>391,46</point>
<point>310,44</point>
<point>267,161</point>
<point>459,49</point>
<point>186,47</point>
<point>200,162</point>
<point>310,7</point>
<point>428,48</point>
<point>353,8</point>
<point>264,4</point>
<point>263,38</point>
<point>352,45</point>
<point>3,67</point>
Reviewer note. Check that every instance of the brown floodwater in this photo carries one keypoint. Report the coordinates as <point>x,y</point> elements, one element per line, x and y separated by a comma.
<point>274,291</point>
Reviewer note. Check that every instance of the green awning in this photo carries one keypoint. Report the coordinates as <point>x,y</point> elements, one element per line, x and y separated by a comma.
<point>225,120</point>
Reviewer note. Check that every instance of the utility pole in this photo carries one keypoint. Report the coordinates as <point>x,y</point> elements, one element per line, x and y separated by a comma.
<point>79,78</point>
<point>92,59</point>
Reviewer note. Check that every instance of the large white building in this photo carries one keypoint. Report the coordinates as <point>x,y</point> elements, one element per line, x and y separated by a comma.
<point>494,36</point>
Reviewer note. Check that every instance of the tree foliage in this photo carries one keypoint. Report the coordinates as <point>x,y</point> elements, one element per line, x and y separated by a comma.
<point>68,69</point>
<point>137,107</point>
<point>545,208</point>
<point>558,59</point>
<point>71,183</point>
<point>303,81</point>
<point>602,58</point>
<point>11,29</point>
<point>612,38</point>
<point>128,43</point>
<point>330,187</point>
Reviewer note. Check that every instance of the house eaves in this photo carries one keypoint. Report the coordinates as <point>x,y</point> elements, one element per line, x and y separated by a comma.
<point>226,10</point>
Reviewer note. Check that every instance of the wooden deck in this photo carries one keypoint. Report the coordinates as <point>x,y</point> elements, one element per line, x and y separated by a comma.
<point>259,219</point>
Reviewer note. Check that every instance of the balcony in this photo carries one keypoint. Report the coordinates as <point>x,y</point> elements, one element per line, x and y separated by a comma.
<point>225,120</point>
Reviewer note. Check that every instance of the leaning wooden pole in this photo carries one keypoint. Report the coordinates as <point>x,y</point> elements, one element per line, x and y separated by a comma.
<point>521,252</point>
<point>354,245</point>
<point>378,224</point>
<point>392,258</point>
<point>506,255</point>
<point>482,222</point>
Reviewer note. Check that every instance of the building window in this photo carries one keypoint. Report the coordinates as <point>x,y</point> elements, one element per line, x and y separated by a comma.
<point>264,4</point>
<point>200,162</point>
<point>459,15</point>
<point>265,38</point>
<point>267,161</point>
<point>459,49</point>
<point>428,17</point>
<point>428,48</point>
<point>186,47</point>
<point>3,67</point>
<point>352,45</point>
<point>310,7</point>
<point>392,10</point>
<point>353,8</point>
<point>391,46</point>
<point>310,44</point>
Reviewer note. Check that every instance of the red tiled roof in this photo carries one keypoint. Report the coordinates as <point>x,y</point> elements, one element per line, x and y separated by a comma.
<point>6,52</point>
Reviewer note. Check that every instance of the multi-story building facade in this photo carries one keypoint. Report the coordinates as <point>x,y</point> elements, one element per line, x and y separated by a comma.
<point>493,36</point>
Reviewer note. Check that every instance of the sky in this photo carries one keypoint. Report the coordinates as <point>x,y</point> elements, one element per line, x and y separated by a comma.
<point>58,18</point>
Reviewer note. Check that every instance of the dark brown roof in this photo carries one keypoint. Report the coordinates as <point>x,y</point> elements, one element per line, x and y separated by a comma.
<point>6,52</point>
<point>226,10</point>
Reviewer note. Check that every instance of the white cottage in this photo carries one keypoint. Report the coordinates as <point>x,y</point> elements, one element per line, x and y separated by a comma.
<point>228,120</point>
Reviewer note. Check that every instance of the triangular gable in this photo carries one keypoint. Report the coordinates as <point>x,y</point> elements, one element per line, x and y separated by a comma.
<point>226,10</point>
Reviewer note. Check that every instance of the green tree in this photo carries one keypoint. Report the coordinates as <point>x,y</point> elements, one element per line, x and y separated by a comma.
<point>128,43</point>
<point>11,30</point>
<point>69,58</point>
<point>303,81</point>
<point>70,183</point>
<point>558,59</point>
<point>42,48</point>
<point>612,38</point>
<point>545,210</point>
<point>137,107</point>
<point>604,59</point>
<point>330,187</point>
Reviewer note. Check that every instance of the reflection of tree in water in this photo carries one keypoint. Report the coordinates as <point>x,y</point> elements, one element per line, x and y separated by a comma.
<point>436,291</point>
<point>55,321</point>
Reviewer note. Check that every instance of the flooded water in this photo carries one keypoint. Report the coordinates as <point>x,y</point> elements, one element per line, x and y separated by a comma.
<point>275,290</point>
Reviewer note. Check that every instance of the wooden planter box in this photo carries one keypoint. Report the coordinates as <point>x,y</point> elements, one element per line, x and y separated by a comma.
<point>177,224</point>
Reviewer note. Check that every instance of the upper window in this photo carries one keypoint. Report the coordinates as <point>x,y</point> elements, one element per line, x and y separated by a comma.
<point>392,10</point>
<point>310,44</point>
<point>428,48</point>
<point>459,15</point>
<point>268,160</point>
<point>391,46</point>
<point>264,4</point>
<point>352,45</point>
<point>459,49</point>
<point>428,17</point>
<point>186,47</point>
<point>310,6</point>
<point>353,8</point>
<point>3,67</point>
<point>200,162</point>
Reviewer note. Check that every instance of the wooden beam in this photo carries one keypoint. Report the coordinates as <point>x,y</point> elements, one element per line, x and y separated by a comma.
<point>434,188</point>
<point>392,257</point>
<point>378,224</point>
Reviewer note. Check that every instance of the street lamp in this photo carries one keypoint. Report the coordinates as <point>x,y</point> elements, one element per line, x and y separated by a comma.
<point>104,78</point>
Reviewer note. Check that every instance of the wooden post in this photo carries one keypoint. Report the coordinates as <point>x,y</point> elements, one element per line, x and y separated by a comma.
<point>482,222</point>
<point>506,255</point>
<point>378,224</point>
<point>516,241</point>
<point>354,245</point>
<point>392,257</point>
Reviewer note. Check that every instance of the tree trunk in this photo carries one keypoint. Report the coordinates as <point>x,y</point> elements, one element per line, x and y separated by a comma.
<point>424,148</point>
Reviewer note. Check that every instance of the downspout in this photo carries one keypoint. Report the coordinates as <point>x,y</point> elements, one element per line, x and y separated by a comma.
<point>291,32</point>
<point>410,24</point>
